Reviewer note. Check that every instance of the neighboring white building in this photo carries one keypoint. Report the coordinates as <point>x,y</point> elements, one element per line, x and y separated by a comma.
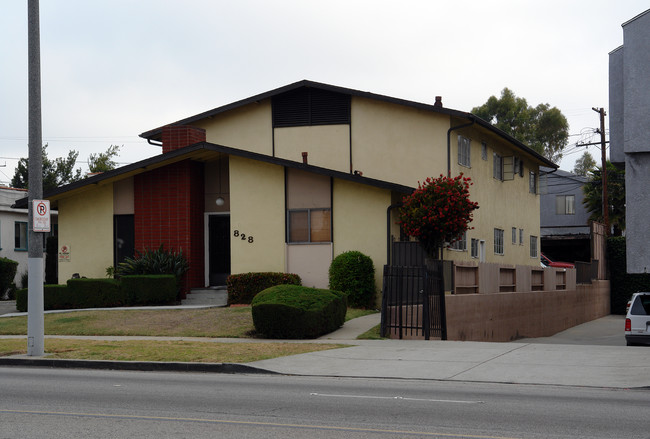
<point>13,229</point>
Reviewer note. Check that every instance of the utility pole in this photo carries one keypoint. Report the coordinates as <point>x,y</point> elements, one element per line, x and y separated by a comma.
<point>35,314</point>
<point>603,172</point>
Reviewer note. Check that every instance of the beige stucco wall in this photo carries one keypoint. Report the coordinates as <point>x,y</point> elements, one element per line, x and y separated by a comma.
<point>402,145</point>
<point>359,222</point>
<point>86,227</point>
<point>311,262</point>
<point>396,143</point>
<point>502,204</point>
<point>248,128</point>
<point>327,146</point>
<point>256,210</point>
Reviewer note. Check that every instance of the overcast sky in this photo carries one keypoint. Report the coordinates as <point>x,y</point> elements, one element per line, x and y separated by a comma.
<point>112,69</point>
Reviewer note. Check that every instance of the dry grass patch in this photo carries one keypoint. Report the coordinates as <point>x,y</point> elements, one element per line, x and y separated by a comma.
<point>210,322</point>
<point>168,351</point>
<point>235,322</point>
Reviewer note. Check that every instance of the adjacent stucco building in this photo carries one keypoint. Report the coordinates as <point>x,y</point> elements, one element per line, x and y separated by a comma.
<point>288,179</point>
<point>629,126</point>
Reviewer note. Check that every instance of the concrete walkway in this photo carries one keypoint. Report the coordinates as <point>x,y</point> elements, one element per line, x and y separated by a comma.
<point>576,357</point>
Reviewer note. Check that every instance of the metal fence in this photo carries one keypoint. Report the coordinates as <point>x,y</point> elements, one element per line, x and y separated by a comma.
<point>413,302</point>
<point>586,271</point>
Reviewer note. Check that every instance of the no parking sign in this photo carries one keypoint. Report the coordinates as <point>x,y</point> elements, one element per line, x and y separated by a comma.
<point>41,215</point>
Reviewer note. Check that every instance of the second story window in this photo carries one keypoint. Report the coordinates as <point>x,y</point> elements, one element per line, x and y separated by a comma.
<point>464,151</point>
<point>497,168</point>
<point>498,241</point>
<point>565,204</point>
<point>532,183</point>
<point>533,246</point>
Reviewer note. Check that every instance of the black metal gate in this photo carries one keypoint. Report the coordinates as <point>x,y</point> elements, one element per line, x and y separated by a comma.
<point>413,303</point>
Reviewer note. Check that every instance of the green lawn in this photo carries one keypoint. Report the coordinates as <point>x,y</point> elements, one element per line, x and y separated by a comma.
<point>233,322</point>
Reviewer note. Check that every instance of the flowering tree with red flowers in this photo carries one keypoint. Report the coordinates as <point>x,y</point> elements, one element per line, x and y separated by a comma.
<point>438,211</point>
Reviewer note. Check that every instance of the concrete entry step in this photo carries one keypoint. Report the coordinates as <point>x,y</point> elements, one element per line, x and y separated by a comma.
<point>207,296</point>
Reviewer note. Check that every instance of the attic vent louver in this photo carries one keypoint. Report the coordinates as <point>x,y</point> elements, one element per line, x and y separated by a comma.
<point>309,106</point>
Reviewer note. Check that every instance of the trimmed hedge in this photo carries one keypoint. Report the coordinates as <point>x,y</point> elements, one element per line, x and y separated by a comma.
<point>354,273</point>
<point>149,289</point>
<point>293,311</point>
<point>105,293</point>
<point>96,293</point>
<point>242,288</point>
<point>622,284</point>
<point>8,269</point>
<point>54,297</point>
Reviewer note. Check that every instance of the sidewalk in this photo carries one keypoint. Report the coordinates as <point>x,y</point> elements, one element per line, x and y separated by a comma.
<point>535,361</point>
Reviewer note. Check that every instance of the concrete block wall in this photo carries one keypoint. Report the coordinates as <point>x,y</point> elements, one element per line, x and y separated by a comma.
<point>501,317</point>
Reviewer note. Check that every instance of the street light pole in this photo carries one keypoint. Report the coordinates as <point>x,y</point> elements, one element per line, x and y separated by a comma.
<point>35,317</point>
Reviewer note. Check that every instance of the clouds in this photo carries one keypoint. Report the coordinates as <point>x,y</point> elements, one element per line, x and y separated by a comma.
<point>113,69</point>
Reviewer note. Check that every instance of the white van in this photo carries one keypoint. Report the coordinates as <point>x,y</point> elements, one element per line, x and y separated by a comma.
<point>637,322</point>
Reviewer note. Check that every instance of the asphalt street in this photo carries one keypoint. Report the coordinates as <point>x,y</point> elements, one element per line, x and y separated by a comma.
<point>46,403</point>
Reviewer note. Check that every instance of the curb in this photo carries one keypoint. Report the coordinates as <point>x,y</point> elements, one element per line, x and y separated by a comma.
<point>144,366</point>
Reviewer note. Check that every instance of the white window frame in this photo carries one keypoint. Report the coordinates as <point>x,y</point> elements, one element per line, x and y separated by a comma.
<point>474,248</point>
<point>309,229</point>
<point>497,166</point>
<point>532,182</point>
<point>464,151</point>
<point>499,235</point>
<point>533,247</point>
<point>460,244</point>
<point>19,236</point>
<point>565,204</point>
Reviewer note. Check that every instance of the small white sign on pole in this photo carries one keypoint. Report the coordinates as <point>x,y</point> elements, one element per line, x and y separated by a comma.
<point>41,215</point>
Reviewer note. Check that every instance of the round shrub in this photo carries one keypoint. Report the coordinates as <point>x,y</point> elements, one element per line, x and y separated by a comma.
<point>293,311</point>
<point>354,273</point>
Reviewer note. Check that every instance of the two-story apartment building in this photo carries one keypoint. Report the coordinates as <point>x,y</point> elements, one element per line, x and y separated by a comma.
<point>288,179</point>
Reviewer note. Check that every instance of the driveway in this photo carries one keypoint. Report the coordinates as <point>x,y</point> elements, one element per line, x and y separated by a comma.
<point>606,331</point>
<point>7,306</point>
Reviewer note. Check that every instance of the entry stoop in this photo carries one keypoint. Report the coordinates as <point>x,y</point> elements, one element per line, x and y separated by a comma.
<point>213,296</point>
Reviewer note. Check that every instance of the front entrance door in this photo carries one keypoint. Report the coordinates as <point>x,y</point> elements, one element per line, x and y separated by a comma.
<point>218,249</point>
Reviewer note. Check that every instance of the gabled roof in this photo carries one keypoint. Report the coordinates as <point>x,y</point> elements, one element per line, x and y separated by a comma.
<point>156,133</point>
<point>205,151</point>
<point>568,175</point>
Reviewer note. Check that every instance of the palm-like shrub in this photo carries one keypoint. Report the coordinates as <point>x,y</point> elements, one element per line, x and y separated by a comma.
<point>160,261</point>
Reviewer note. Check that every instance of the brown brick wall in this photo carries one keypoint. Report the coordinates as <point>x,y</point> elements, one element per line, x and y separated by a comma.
<point>169,211</point>
<point>175,137</point>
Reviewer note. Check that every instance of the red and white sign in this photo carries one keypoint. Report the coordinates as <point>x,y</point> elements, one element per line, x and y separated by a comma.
<point>41,215</point>
<point>64,253</point>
